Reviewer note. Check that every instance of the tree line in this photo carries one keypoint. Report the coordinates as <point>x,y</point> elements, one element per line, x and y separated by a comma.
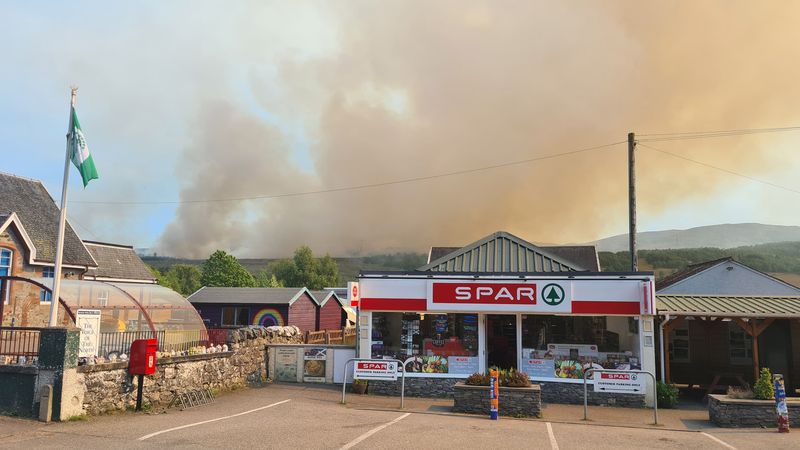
<point>222,269</point>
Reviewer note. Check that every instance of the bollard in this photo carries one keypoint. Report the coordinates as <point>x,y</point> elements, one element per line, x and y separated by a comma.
<point>780,403</point>
<point>46,403</point>
<point>494,394</point>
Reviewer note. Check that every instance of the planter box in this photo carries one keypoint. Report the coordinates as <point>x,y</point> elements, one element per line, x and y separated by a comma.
<point>732,413</point>
<point>518,402</point>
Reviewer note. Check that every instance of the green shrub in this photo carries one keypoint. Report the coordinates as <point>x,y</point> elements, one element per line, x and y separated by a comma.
<point>763,389</point>
<point>667,395</point>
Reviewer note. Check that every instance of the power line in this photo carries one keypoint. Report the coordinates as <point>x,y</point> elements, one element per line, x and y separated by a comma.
<point>655,137</point>
<point>768,183</point>
<point>358,187</point>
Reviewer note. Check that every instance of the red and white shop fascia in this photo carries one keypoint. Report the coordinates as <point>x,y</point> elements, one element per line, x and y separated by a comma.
<point>578,294</point>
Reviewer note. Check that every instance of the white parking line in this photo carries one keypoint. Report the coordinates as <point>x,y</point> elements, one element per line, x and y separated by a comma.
<point>718,441</point>
<point>148,436</point>
<point>553,442</point>
<point>373,431</point>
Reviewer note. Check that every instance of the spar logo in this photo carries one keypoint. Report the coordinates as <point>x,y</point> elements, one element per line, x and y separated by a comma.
<point>553,294</point>
<point>485,293</point>
<point>373,366</point>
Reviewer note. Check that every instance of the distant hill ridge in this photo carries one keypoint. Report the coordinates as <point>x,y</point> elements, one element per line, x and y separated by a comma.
<point>722,236</point>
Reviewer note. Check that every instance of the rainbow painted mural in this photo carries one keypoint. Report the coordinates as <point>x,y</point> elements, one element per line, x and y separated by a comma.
<point>268,317</point>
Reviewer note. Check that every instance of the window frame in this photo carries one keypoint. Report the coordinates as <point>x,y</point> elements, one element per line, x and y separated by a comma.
<point>45,296</point>
<point>9,267</point>
<point>673,337</point>
<point>747,342</point>
<point>237,315</point>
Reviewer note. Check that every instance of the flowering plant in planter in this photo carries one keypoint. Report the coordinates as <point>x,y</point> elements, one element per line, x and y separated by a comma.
<point>360,386</point>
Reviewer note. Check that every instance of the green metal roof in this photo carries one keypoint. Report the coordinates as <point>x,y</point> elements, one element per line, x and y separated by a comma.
<point>501,252</point>
<point>728,306</point>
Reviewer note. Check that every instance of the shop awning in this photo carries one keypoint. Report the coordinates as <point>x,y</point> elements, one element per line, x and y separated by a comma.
<point>729,306</point>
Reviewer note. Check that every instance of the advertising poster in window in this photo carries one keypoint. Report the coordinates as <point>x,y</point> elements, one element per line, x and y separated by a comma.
<point>314,359</point>
<point>465,365</point>
<point>286,364</point>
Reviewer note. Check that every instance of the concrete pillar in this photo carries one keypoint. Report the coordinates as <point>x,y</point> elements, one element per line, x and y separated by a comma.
<point>58,360</point>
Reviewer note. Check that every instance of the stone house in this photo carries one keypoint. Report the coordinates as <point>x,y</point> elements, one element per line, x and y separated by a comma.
<point>28,234</point>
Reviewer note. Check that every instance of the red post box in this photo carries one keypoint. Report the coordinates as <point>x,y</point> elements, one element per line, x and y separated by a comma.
<point>143,357</point>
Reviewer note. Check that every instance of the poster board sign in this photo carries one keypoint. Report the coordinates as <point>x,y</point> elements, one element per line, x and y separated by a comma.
<point>619,382</point>
<point>314,359</point>
<point>286,364</point>
<point>375,370</point>
<point>465,365</point>
<point>88,320</point>
<point>538,367</point>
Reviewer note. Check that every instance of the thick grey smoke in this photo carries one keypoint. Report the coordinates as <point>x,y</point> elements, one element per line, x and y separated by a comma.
<point>414,89</point>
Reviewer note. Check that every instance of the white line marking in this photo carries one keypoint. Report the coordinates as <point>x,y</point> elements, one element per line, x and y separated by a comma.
<point>553,443</point>
<point>148,436</point>
<point>373,431</point>
<point>718,440</point>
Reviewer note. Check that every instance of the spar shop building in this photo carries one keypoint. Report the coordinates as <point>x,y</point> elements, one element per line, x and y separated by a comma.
<point>505,302</point>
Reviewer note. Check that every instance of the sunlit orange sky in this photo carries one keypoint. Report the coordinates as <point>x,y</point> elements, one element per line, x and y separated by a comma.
<point>188,101</point>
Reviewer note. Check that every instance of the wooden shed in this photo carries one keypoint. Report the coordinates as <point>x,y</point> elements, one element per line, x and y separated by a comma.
<point>330,314</point>
<point>236,307</point>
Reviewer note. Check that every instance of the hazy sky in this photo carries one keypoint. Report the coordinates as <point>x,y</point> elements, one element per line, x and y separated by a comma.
<point>217,100</point>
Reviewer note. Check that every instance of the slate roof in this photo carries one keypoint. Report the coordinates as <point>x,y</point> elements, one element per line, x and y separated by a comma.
<point>274,296</point>
<point>689,271</point>
<point>39,216</point>
<point>323,296</point>
<point>504,252</point>
<point>118,262</point>
<point>728,306</point>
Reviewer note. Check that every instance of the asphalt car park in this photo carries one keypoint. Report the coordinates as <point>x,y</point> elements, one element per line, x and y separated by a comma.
<point>295,417</point>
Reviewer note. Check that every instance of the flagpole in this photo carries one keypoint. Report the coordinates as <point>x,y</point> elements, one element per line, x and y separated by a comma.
<point>62,221</point>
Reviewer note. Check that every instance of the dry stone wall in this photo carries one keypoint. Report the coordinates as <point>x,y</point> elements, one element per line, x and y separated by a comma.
<point>109,388</point>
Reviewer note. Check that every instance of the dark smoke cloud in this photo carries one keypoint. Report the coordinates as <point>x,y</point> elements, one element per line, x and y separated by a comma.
<point>432,87</point>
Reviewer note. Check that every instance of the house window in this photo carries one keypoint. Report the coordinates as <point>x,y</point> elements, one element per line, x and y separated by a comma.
<point>679,344</point>
<point>5,267</point>
<point>235,316</point>
<point>102,298</point>
<point>740,345</point>
<point>46,296</point>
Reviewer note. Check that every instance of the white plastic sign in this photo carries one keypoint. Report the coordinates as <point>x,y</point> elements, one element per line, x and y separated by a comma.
<point>375,370</point>
<point>619,382</point>
<point>88,320</point>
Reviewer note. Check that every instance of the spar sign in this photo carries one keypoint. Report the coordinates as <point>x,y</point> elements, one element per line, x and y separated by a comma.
<point>375,370</point>
<point>619,382</point>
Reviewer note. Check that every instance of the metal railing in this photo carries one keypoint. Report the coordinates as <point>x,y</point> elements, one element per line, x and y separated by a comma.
<point>18,344</point>
<point>168,340</point>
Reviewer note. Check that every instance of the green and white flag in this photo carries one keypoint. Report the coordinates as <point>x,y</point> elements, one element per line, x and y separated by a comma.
<point>79,151</point>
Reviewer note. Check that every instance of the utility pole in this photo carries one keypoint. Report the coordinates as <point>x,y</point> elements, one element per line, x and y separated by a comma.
<point>632,200</point>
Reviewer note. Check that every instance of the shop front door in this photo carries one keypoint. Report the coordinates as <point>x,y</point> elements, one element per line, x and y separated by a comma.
<point>501,341</point>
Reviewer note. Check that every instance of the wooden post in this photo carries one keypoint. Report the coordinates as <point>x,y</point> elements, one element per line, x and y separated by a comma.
<point>755,350</point>
<point>327,337</point>
<point>632,201</point>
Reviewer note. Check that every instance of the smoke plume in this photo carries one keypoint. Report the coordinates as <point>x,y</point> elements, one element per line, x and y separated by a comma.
<point>410,89</point>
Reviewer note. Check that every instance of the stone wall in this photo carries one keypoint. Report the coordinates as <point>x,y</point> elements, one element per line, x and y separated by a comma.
<point>108,387</point>
<point>551,392</point>
<point>517,402</point>
<point>734,413</point>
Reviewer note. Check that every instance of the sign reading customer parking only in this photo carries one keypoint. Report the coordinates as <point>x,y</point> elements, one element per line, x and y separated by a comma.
<point>619,382</point>
<point>375,370</point>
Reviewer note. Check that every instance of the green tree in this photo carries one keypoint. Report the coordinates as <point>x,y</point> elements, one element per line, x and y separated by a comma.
<point>183,278</point>
<point>267,279</point>
<point>304,270</point>
<point>224,270</point>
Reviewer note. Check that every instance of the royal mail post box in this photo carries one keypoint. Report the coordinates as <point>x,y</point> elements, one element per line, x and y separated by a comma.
<point>143,357</point>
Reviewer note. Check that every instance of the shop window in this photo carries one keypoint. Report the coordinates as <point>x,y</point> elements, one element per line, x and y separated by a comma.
<point>679,344</point>
<point>6,260</point>
<point>740,345</point>
<point>439,343</point>
<point>235,316</point>
<point>46,296</point>
<point>564,347</point>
